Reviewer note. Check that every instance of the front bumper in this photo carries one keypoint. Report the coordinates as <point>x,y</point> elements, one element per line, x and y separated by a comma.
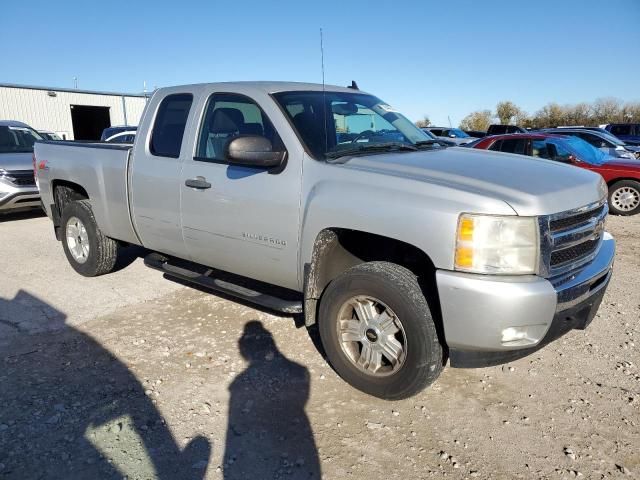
<point>17,198</point>
<point>492,320</point>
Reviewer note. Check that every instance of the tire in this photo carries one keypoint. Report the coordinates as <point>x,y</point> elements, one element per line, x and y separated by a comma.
<point>400,296</point>
<point>98,252</point>
<point>624,197</point>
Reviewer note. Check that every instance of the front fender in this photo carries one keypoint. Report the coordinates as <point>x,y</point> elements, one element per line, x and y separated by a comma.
<point>421,214</point>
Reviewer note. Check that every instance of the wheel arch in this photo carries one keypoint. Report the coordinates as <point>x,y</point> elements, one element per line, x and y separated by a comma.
<point>335,250</point>
<point>64,192</point>
<point>613,181</point>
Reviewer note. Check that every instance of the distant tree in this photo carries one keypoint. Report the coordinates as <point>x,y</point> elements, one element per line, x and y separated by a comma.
<point>606,110</point>
<point>630,112</point>
<point>507,110</point>
<point>551,115</point>
<point>423,122</point>
<point>603,110</point>
<point>521,117</point>
<point>479,120</point>
<point>578,114</point>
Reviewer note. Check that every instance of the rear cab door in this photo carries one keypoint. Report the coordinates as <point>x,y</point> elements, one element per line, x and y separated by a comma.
<point>155,176</point>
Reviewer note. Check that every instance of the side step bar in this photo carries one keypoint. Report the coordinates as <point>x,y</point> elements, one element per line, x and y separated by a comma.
<point>190,273</point>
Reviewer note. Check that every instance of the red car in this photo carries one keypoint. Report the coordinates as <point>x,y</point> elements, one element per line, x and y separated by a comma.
<point>622,176</point>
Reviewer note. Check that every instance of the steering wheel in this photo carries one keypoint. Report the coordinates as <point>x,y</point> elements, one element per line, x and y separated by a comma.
<point>363,134</point>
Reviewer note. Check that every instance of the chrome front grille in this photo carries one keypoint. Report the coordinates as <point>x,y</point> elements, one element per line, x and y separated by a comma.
<point>569,240</point>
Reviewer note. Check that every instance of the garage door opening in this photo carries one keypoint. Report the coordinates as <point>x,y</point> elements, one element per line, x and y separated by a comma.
<point>89,122</point>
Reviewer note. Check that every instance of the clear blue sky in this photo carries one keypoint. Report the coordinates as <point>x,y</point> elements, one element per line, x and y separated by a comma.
<point>439,58</point>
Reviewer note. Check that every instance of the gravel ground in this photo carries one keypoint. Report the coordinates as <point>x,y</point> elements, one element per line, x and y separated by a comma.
<point>130,375</point>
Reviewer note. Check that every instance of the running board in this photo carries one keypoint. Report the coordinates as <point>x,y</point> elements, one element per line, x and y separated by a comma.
<point>189,272</point>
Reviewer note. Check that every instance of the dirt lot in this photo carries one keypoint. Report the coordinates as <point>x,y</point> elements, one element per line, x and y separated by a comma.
<point>131,375</point>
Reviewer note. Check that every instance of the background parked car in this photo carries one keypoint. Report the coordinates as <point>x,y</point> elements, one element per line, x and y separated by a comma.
<point>600,139</point>
<point>46,135</point>
<point>627,132</point>
<point>475,133</point>
<point>496,129</point>
<point>18,190</point>
<point>122,137</point>
<point>442,141</point>
<point>622,176</point>
<point>111,131</point>
<point>454,135</point>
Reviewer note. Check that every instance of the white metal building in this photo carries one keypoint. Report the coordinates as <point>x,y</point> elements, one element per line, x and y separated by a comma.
<point>72,114</point>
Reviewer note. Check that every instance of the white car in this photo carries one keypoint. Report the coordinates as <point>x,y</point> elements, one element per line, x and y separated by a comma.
<point>122,137</point>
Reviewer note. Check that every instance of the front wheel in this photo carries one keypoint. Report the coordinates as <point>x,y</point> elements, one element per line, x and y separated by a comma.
<point>378,332</point>
<point>624,197</point>
<point>88,250</point>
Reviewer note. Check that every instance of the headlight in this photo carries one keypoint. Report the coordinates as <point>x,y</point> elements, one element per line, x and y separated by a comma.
<point>505,245</point>
<point>603,189</point>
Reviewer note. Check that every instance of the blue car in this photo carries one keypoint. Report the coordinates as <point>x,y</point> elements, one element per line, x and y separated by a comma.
<point>627,132</point>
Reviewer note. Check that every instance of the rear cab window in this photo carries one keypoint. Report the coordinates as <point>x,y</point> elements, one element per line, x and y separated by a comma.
<point>169,125</point>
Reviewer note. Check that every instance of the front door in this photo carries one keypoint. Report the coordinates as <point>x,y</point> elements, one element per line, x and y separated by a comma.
<point>239,219</point>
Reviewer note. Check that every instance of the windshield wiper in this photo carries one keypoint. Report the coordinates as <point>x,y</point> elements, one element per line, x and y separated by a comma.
<point>425,143</point>
<point>374,147</point>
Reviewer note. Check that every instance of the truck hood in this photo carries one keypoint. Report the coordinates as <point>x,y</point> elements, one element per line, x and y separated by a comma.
<point>531,186</point>
<point>16,161</point>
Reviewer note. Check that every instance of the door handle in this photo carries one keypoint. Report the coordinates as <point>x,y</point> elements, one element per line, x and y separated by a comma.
<point>198,182</point>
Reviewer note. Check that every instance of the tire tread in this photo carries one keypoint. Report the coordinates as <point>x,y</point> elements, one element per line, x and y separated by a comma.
<point>105,248</point>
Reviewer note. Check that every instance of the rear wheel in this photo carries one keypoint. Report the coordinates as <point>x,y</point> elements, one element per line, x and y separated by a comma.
<point>624,197</point>
<point>378,332</point>
<point>88,250</point>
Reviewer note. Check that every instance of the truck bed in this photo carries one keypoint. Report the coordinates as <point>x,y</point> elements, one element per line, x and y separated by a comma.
<point>101,169</point>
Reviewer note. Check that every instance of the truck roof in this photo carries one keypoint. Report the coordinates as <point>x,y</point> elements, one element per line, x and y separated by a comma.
<point>265,86</point>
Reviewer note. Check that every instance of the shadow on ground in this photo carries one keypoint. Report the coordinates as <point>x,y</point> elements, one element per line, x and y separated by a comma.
<point>269,434</point>
<point>21,215</point>
<point>71,409</point>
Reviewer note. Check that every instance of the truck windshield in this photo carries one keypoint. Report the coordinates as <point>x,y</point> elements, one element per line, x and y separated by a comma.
<point>15,139</point>
<point>330,123</point>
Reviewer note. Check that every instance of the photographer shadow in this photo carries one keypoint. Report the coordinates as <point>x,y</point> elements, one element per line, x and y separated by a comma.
<point>269,434</point>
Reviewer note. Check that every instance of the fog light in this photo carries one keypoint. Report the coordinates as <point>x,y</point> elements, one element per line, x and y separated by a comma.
<point>523,335</point>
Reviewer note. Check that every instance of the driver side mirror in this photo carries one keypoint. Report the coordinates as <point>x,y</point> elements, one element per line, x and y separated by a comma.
<point>253,151</point>
<point>452,135</point>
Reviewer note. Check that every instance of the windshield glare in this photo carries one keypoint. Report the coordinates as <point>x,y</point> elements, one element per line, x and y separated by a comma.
<point>17,139</point>
<point>329,122</point>
<point>584,151</point>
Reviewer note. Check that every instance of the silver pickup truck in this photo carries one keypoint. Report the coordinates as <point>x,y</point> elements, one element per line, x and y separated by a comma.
<point>327,202</point>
